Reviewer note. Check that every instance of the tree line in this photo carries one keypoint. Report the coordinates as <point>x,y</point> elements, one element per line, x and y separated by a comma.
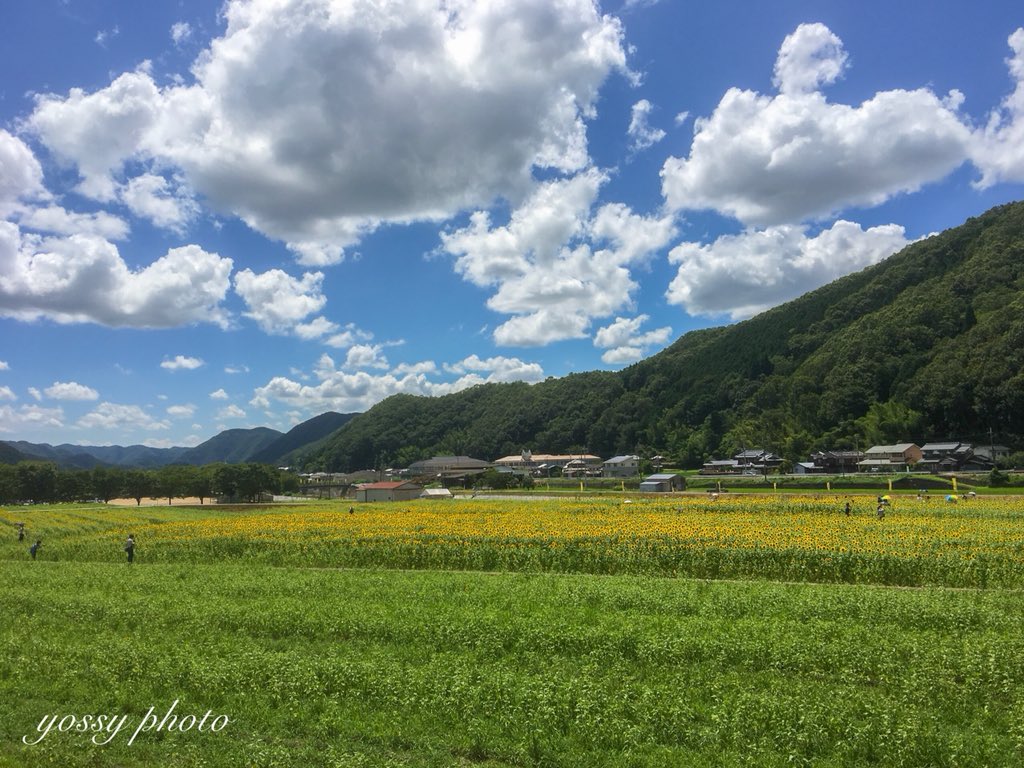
<point>45,482</point>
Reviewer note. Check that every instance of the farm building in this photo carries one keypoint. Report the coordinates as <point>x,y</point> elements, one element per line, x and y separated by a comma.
<point>388,491</point>
<point>622,466</point>
<point>663,483</point>
<point>890,458</point>
<point>807,468</point>
<point>436,493</point>
<point>441,465</point>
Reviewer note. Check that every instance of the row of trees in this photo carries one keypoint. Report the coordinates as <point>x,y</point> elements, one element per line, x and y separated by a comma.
<point>43,482</point>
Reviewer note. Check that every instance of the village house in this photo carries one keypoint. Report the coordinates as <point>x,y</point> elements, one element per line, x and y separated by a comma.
<point>890,458</point>
<point>837,462</point>
<point>720,467</point>
<point>757,461</point>
<point>621,466</point>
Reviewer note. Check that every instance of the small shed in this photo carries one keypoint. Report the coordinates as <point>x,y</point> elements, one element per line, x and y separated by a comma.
<point>663,483</point>
<point>388,491</point>
<point>436,493</point>
<point>807,468</point>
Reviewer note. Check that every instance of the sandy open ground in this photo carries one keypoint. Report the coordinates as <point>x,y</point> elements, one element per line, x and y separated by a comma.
<point>188,501</point>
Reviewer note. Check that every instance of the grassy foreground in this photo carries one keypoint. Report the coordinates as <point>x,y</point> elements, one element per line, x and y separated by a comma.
<point>364,668</point>
<point>573,650</point>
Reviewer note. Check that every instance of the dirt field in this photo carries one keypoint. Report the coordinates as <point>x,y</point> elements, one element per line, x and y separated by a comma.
<point>189,501</point>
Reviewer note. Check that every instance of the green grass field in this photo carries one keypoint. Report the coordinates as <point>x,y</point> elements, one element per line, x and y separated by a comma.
<point>320,666</point>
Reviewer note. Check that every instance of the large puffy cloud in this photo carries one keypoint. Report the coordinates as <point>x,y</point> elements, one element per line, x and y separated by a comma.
<point>315,121</point>
<point>741,275</point>
<point>556,265</point>
<point>778,159</point>
<point>346,391</point>
<point>279,302</point>
<point>83,278</point>
<point>998,148</point>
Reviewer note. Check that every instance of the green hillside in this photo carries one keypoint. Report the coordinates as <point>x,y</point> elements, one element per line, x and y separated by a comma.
<point>232,446</point>
<point>301,436</point>
<point>928,344</point>
<point>10,455</point>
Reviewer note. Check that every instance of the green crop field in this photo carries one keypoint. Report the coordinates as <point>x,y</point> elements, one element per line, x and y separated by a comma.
<point>241,617</point>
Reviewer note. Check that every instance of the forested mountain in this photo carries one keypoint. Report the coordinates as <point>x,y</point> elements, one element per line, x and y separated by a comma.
<point>231,446</point>
<point>927,345</point>
<point>89,456</point>
<point>10,455</point>
<point>301,437</point>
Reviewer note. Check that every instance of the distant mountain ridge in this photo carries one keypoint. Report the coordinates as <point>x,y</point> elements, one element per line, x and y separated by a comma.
<point>233,446</point>
<point>89,456</point>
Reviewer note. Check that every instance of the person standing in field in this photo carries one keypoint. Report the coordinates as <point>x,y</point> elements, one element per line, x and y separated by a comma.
<point>881,511</point>
<point>21,531</point>
<point>129,547</point>
<point>847,510</point>
<point>34,549</point>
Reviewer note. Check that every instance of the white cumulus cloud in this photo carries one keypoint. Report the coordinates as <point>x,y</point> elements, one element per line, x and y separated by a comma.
<point>998,148</point>
<point>13,420</point>
<point>741,275</point>
<point>70,390</point>
<point>164,203</point>
<point>181,31</point>
<point>345,391</point>
<point>184,411</point>
<point>557,265</point>
<point>279,302</point>
<point>640,132</point>
<point>21,176</point>
<point>366,356</point>
<point>316,121</point>
<point>809,58</point>
<point>231,412</point>
<point>82,278</point>
<point>182,363</point>
<point>624,342</point>
<point>117,416</point>
<point>795,156</point>
<point>58,220</point>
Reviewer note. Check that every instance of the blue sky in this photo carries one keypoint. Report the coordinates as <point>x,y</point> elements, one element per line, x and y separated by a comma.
<point>220,215</point>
